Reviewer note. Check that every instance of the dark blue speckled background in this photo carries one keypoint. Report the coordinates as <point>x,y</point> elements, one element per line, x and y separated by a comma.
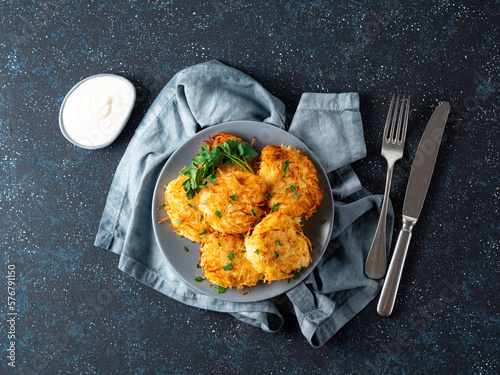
<point>77,314</point>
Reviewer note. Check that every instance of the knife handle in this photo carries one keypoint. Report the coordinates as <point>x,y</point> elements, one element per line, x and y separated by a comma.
<point>391,283</point>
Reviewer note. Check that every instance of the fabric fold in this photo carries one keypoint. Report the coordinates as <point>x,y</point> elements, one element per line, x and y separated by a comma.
<point>330,124</point>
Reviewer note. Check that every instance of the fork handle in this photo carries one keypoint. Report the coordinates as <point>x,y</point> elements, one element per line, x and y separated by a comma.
<point>391,283</point>
<point>376,263</point>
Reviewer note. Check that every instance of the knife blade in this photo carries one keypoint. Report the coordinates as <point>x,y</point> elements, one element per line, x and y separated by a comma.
<point>416,191</point>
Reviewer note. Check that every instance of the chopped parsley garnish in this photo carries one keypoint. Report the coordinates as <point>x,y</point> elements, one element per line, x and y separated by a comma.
<point>268,195</point>
<point>190,205</point>
<point>203,233</point>
<point>186,249</point>
<point>275,207</point>
<point>218,214</point>
<point>231,255</point>
<point>203,167</point>
<point>220,289</point>
<point>254,213</point>
<point>233,197</point>
<point>279,243</point>
<point>243,235</point>
<point>180,235</point>
<point>294,188</point>
<point>243,251</point>
<point>198,265</point>
<point>277,254</point>
<point>256,251</point>
<point>228,267</point>
<point>162,205</point>
<point>178,221</point>
<point>200,278</point>
<point>286,164</point>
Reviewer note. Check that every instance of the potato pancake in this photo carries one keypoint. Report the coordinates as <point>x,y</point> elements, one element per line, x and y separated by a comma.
<point>184,214</point>
<point>219,138</point>
<point>223,261</point>
<point>292,181</point>
<point>277,247</point>
<point>234,203</point>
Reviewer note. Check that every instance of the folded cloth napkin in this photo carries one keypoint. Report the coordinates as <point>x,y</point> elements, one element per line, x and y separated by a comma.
<point>330,124</point>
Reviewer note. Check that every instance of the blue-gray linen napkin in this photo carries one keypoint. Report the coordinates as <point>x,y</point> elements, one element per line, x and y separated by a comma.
<point>330,124</point>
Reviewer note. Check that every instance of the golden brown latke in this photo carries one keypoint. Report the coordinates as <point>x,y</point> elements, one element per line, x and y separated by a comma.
<point>234,203</point>
<point>219,138</point>
<point>277,247</point>
<point>292,181</point>
<point>184,214</point>
<point>223,261</point>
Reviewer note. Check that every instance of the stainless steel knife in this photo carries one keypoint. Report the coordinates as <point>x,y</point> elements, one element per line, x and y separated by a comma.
<point>418,183</point>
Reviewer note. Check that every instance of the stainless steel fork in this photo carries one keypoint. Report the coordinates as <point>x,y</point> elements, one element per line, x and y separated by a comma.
<point>392,150</point>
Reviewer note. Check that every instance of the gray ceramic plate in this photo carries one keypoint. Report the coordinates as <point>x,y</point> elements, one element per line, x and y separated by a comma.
<point>318,228</point>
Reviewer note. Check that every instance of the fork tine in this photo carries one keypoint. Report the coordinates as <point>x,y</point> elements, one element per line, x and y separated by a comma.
<point>397,136</point>
<point>405,125</point>
<point>394,116</point>
<point>388,120</point>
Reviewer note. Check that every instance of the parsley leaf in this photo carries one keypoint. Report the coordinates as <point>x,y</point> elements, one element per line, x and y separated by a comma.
<point>220,289</point>
<point>228,267</point>
<point>275,207</point>
<point>286,164</point>
<point>218,214</point>
<point>203,167</point>
<point>277,254</point>
<point>233,197</point>
<point>231,255</point>
<point>294,188</point>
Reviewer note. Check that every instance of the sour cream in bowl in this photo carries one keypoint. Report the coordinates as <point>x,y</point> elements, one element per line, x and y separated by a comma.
<point>96,109</point>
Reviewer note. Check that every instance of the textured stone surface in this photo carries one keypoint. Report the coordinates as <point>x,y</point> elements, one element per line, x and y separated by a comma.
<point>78,314</point>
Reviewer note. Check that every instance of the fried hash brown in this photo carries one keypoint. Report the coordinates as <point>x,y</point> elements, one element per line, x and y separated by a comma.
<point>292,181</point>
<point>234,203</point>
<point>223,261</point>
<point>219,138</point>
<point>184,214</point>
<point>277,247</point>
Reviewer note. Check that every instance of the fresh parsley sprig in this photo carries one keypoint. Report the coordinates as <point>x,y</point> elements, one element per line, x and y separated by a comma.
<point>201,171</point>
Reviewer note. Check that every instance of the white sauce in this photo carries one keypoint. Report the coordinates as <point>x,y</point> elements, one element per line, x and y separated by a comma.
<point>95,112</point>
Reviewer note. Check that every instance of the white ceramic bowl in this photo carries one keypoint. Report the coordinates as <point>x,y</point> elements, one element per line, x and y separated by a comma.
<point>103,139</point>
